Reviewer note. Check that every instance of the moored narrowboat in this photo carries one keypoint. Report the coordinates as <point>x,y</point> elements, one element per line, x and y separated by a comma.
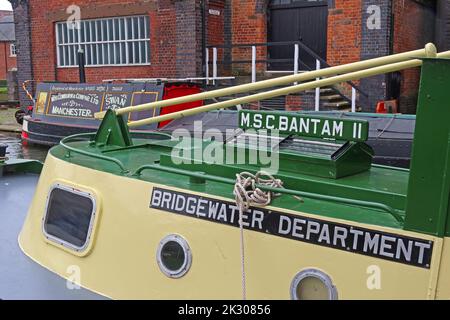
<point>64,109</point>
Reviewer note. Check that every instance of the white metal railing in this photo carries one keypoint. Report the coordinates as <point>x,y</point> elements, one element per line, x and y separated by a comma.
<point>254,61</point>
<point>353,100</point>
<point>253,64</point>
<point>317,97</point>
<point>330,75</point>
<point>296,57</point>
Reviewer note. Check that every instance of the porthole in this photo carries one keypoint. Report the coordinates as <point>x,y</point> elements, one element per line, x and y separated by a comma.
<point>313,284</point>
<point>174,256</point>
<point>69,217</point>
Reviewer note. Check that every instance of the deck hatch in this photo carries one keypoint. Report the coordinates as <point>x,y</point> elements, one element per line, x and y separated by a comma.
<point>69,216</point>
<point>311,147</point>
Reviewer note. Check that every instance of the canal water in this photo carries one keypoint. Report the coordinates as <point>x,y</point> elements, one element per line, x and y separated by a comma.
<point>17,150</point>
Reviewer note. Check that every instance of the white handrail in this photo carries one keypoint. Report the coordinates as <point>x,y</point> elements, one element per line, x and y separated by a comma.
<point>317,95</point>
<point>351,76</point>
<point>428,51</point>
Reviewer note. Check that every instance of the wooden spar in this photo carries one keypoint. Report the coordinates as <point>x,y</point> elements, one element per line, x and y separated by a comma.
<point>428,51</point>
<point>289,90</point>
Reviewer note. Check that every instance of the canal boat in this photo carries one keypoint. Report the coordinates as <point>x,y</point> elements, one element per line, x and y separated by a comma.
<point>305,215</point>
<point>64,109</point>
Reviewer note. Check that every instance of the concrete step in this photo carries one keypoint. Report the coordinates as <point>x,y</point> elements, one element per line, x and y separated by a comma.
<point>337,105</point>
<point>323,91</point>
<point>326,90</point>
<point>332,97</point>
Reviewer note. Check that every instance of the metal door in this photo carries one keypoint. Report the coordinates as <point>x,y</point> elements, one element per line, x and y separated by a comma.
<point>291,20</point>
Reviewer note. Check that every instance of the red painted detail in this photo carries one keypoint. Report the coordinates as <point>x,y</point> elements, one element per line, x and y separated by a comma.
<point>24,135</point>
<point>388,106</point>
<point>381,107</point>
<point>175,91</point>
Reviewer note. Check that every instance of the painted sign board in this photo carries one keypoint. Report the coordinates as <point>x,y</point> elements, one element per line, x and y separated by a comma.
<point>77,103</point>
<point>116,100</point>
<point>305,125</point>
<point>214,12</point>
<point>74,104</point>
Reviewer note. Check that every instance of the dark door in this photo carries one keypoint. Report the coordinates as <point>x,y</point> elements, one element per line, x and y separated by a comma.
<point>291,20</point>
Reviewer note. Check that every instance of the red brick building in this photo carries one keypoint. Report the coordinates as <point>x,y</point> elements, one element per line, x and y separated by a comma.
<point>8,52</point>
<point>168,38</point>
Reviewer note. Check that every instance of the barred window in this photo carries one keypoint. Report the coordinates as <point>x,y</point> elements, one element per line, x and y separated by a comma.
<point>106,42</point>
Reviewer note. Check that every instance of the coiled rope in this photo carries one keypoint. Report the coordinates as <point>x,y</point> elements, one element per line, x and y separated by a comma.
<point>247,194</point>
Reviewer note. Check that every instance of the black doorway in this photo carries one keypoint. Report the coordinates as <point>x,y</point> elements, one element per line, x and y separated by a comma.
<point>291,20</point>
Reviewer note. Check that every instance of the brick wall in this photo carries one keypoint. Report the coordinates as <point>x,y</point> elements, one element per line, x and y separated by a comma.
<point>293,102</point>
<point>23,45</point>
<point>175,32</point>
<point>215,22</point>
<point>411,36</point>
<point>188,38</point>
<point>227,33</point>
<point>248,25</point>
<point>344,32</point>
<point>375,42</point>
<point>7,62</point>
<point>344,35</point>
<point>216,15</point>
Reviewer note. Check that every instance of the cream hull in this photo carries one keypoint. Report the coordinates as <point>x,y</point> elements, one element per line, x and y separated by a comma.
<point>121,263</point>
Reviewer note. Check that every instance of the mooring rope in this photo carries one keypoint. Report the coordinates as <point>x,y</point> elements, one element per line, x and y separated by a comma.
<point>247,194</point>
<point>24,87</point>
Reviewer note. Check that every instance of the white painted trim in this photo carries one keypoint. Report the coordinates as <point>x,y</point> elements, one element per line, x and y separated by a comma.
<point>317,98</point>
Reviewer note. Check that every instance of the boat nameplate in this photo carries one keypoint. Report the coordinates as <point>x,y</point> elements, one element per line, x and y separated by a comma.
<point>305,125</point>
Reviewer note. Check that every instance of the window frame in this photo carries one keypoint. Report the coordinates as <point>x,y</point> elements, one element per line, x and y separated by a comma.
<point>315,273</point>
<point>60,242</point>
<point>12,52</point>
<point>185,267</point>
<point>120,38</point>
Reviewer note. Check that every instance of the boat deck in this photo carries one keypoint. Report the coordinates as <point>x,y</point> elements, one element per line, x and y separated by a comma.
<point>376,196</point>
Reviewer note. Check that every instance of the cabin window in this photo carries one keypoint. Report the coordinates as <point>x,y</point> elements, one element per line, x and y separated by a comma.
<point>69,217</point>
<point>105,42</point>
<point>313,284</point>
<point>174,256</point>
